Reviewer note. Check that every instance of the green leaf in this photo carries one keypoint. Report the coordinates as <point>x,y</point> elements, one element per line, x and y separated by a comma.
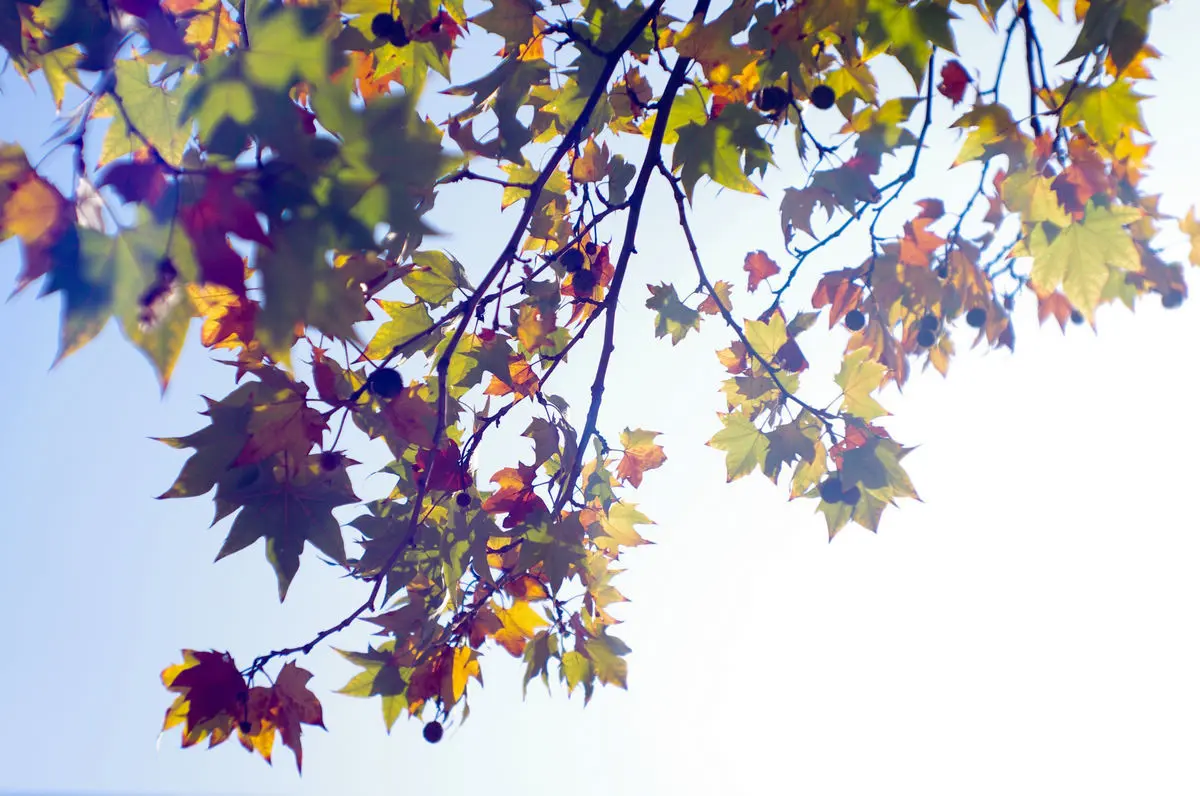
<point>744,445</point>
<point>406,322</point>
<point>286,46</point>
<point>1080,256</point>
<point>1107,112</point>
<point>672,316</point>
<point>380,677</point>
<point>767,338</point>
<point>288,512</point>
<point>155,111</point>
<point>575,669</point>
<point>217,445</point>
<point>859,377</point>
<point>717,148</point>
<point>605,652</point>
<point>795,440</point>
<point>435,278</point>
<point>909,31</point>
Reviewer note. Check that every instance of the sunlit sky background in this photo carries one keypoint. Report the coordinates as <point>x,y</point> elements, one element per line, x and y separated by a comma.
<point>1031,627</point>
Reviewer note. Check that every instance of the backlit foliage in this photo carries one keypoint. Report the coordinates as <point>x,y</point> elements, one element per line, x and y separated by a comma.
<point>265,168</point>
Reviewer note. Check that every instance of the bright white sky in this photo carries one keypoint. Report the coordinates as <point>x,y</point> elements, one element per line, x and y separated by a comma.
<point>1029,628</point>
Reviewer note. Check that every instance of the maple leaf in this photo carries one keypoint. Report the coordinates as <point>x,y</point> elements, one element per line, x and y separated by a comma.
<point>796,209</point>
<point>840,291</point>
<point>614,528</point>
<point>744,445</point>
<point>522,381</point>
<point>641,453</point>
<point>721,296</point>
<point>135,181</point>
<point>287,510</point>
<point>535,325</point>
<point>281,422</point>
<point>518,624</point>
<point>1107,112</point>
<point>759,266</point>
<point>605,653</point>
<point>918,244</point>
<point>212,696</point>
<point>382,676</point>
<point>1189,226</point>
<point>672,316</point>
<point>283,707</point>
<point>1080,256</point>
<point>515,498</point>
<point>30,209</point>
<point>859,377</point>
<point>445,470</point>
<point>717,149</point>
<point>219,212</point>
<point>412,417</point>
<point>954,81</point>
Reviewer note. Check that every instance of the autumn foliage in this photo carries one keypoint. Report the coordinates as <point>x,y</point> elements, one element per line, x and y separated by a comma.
<point>264,173</point>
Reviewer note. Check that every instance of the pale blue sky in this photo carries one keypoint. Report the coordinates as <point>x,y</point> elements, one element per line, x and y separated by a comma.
<point>1031,627</point>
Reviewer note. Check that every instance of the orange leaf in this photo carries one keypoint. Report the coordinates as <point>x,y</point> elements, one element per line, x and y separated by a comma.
<point>641,454</point>
<point>918,244</point>
<point>524,381</point>
<point>838,290</point>
<point>760,267</point>
<point>515,496</point>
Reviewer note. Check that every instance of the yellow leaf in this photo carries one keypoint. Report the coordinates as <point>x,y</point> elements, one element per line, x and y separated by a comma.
<point>858,378</point>
<point>519,624</point>
<point>1191,227</point>
<point>32,210</point>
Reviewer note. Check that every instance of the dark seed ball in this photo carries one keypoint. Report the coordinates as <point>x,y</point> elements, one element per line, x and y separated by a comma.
<point>385,382</point>
<point>831,490</point>
<point>822,97</point>
<point>585,282</point>
<point>382,25</point>
<point>572,260</point>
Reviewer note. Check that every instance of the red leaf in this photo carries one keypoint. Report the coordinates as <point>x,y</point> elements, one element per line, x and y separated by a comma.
<point>759,266</point>
<point>790,357</point>
<point>308,119</point>
<point>213,688</point>
<point>932,209</point>
<point>135,182</point>
<point>447,474</point>
<point>219,211</point>
<point>954,81</point>
<point>325,377</point>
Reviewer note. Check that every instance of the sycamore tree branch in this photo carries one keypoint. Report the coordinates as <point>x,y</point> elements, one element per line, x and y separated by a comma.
<point>569,141</point>
<point>628,247</point>
<point>826,417</point>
